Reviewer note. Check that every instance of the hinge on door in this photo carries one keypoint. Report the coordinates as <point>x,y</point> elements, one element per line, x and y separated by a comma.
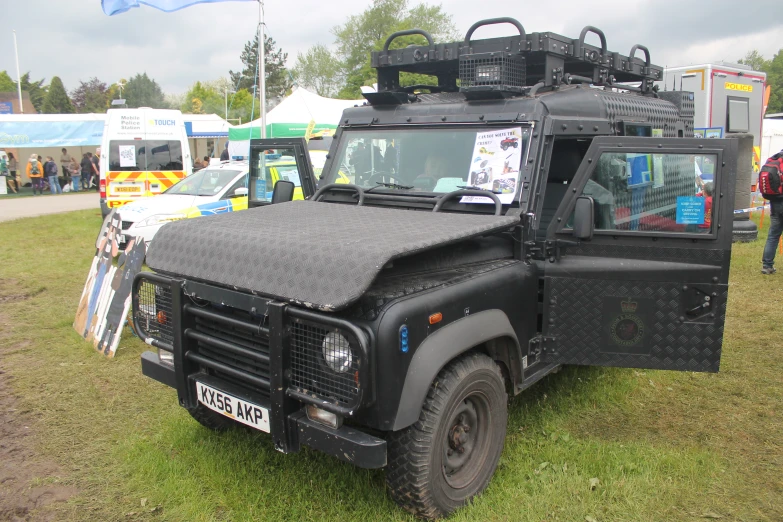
<point>542,346</point>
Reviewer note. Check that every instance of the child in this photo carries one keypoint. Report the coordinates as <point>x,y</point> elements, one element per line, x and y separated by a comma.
<point>707,195</point>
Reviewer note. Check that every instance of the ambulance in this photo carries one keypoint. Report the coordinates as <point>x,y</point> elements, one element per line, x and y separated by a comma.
<point>144,151</point>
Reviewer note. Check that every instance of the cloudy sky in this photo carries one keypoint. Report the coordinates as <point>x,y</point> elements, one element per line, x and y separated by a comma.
<point>74,40</point>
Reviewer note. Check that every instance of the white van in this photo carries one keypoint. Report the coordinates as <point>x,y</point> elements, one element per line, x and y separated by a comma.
<point>143,152</point>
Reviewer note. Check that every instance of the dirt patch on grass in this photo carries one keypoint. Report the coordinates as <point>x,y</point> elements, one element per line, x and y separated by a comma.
<point>28,482</point>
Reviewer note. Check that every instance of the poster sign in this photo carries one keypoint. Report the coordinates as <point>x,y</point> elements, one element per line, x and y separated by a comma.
<point>106,297</point>
<point>6,108</point>
<point>127,155</point>
<point>708,132</point>
<point>497,156</point>
<point>690,210</point>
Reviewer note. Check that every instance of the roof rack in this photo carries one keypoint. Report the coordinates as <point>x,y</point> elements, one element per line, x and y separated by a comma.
<point>515,65</point>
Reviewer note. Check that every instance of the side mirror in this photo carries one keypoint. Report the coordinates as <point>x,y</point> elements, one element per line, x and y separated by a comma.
<point>284,191</point>
<point>240,192</point>
<point>584,218</point>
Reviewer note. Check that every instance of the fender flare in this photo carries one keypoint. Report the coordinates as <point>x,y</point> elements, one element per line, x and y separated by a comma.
<point>441,347</point>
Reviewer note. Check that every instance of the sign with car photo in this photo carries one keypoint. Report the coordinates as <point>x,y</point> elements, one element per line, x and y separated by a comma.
<point>497,156</point>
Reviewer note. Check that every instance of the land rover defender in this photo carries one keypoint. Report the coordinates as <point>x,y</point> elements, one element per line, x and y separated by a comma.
<point>535,206</point>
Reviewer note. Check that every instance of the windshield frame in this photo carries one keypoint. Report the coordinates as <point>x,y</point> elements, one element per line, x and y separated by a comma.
<point>332,173</point>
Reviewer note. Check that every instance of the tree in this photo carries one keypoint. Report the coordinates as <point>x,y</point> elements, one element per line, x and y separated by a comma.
<point>775,79</point>
<point>57,101</point>
<point>210,98</point>
<point>755,60</point>
<point>774,70</point>
<point>7,84</point>
<point>90,96</point>
<point>366,32</point>
<point>143,91</point>
<point>35,89</point>
<point>278,81</point>
<point>318,69</point>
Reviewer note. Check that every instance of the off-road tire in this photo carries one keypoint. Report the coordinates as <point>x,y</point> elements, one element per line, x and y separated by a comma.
<point>211,419</point>
<point>417,475</point>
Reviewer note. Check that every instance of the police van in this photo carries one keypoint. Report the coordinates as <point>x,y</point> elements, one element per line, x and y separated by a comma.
<point>144,151</point>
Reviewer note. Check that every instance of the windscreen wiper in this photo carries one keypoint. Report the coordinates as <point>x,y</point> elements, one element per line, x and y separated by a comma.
<point>471,187</point>
<point>388,185</point>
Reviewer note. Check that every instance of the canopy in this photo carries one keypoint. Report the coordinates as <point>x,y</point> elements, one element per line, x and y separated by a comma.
<point>51,130</point>
<point>85,130</point>
<point>290,119</point>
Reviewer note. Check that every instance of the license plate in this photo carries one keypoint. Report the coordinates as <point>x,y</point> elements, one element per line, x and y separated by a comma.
<point>240,410</point>
<point>126,189</point>
<point>121,239</point>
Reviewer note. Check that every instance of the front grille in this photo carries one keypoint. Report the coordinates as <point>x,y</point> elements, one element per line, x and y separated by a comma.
<point>126,224</point>
<point>152,311</point>
<point>310,372</point>
<point>255,342</point>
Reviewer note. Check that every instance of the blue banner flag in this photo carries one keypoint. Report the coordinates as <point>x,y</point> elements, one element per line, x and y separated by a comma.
<point>113,7</point>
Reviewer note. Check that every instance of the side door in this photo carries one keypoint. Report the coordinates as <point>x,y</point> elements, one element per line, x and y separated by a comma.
<point>649,289</point>
<point>271,156</point>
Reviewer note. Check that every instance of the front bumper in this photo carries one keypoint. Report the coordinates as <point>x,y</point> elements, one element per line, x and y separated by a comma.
<point>345,443</point>
<point>256,348</point>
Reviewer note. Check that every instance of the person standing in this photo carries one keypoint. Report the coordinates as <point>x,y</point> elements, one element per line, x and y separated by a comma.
<point>75,170</point>
<point>96,168</point>
<point>13,165</point>
<point>86,166</point>
<point>65,160</point>
<point>35,173</point>
<point>775,227</point>
<point>51,171</point>
<point>224,155</point>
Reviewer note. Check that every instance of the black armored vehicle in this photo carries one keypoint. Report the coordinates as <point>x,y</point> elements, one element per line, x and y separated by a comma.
<point>387,319</point>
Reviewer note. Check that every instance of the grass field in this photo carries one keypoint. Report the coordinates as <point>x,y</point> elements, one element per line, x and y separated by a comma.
<point>586,444</point>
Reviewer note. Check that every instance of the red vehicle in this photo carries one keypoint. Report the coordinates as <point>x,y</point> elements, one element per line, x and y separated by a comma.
<point>509,142</point>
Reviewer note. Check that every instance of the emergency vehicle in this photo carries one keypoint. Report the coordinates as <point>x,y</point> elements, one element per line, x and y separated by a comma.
<point>144,151</point>
<point>726,98</point>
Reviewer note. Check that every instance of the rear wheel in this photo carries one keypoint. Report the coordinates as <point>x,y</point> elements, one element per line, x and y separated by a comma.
<point>450,454</point>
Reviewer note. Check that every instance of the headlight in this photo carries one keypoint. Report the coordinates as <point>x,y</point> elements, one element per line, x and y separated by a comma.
<point>159,219</point>
<point>337,352</point>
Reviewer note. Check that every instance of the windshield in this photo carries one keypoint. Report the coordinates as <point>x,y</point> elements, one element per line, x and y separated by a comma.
<point>206,182</point>
<point>433,160</point>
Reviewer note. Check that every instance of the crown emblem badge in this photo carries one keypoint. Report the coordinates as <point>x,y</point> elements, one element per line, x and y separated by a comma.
<point>628,306</point>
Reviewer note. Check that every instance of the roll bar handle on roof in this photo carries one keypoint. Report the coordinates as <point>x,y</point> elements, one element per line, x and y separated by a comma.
<point>492,21</point>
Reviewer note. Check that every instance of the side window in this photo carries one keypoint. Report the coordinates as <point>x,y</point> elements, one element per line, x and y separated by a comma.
<point>653,192</point>
<point>163,155</point>
<point>231,192</point>
<point>275,164</point>
<point>737,115</point>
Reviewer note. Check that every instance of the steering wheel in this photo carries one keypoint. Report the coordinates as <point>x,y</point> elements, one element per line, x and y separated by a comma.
<point>340,186</point>
<point>459,193</point>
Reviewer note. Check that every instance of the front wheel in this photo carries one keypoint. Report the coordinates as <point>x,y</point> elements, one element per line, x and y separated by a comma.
<point>450,454</point>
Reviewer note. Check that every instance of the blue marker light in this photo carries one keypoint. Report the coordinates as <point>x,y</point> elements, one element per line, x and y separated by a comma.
<point>404,339</point>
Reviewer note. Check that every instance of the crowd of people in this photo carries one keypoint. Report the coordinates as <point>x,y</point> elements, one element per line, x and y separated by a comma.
<point>45,175</point>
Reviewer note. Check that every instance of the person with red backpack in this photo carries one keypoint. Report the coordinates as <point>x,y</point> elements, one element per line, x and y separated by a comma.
<point>771,188</point>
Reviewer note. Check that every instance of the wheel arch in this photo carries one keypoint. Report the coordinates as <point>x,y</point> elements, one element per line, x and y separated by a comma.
<point>489,331</point>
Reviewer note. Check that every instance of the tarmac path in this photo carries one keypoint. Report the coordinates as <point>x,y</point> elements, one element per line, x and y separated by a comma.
<point>16,208</point>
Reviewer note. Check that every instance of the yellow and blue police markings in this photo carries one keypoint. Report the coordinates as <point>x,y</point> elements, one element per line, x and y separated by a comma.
<point>216,207</point>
